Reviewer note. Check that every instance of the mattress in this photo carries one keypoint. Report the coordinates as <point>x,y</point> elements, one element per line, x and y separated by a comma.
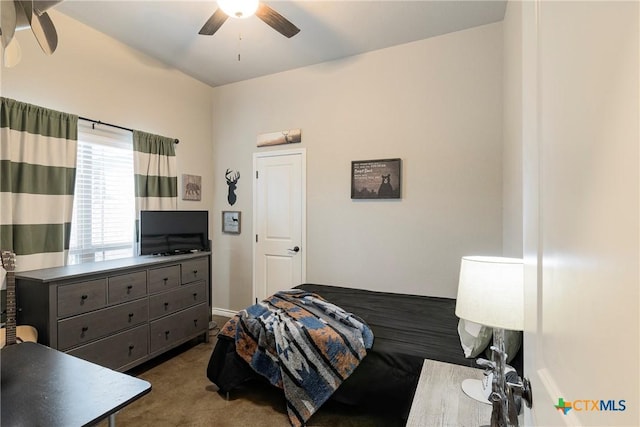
<point>421,326</point>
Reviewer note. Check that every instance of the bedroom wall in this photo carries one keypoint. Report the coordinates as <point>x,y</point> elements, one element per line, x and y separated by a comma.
<point>95,76</point>
<point>436,103</point>
<point>512,159</point>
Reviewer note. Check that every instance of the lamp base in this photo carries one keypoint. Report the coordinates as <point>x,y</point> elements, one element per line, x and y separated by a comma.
<point>474,389</point>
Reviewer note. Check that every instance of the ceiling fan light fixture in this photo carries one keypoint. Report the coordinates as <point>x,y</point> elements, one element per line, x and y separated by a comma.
<point>239,8</point>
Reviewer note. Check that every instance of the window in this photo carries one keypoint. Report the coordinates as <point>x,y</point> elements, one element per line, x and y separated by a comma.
<point>103,221</point>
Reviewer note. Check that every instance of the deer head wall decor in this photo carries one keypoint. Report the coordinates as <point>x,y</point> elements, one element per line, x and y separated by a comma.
<point>232,179</point>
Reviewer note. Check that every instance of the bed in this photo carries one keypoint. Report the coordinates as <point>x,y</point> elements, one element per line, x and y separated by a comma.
<point>407,330</point>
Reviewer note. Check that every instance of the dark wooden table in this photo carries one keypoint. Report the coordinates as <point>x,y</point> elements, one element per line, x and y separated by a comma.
<point>44,387</point>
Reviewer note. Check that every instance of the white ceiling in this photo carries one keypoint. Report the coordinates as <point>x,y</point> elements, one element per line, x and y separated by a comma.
<point>168,31</point>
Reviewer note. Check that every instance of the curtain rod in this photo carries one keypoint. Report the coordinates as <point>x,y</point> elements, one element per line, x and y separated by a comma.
<point>98,122</point>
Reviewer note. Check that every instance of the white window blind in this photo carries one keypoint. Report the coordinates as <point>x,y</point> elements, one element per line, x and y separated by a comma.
<point>103,221</point>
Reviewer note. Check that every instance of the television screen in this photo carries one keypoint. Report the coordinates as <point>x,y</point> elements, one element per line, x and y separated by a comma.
<point>173,232</point>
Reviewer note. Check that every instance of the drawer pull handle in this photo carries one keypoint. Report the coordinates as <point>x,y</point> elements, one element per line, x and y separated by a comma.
<point>84,330</point>
<point>129,287</point>
<point>166,335</point>
<point>195,272</point>
<point>131,346</point>
<point>83,298</point>
<point>195,322</point>
<point>130,317</point>
<point>166,279</point>
<point>195,295</point>
<point>166,305</point>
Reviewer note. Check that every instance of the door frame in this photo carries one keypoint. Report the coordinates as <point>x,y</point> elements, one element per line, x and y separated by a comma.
<point>302,152</point>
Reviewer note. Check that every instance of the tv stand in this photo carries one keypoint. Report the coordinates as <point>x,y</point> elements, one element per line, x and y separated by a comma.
<point>118,313</point>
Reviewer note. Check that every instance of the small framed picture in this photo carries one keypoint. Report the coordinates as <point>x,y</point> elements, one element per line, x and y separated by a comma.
<point>191,187</point>
<point>289,136</point>
<point>376,179</point>
<point>231,222</point>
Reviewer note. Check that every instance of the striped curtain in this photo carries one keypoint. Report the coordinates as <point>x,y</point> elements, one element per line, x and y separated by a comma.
<point>156,178</point>
<point>37,178</point>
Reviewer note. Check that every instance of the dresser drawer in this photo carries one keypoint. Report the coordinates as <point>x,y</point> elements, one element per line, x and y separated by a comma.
<point>181,326</point>
<point>87,327</point>
<point>176,300</point>
<point>81,297</point>
<point>197,269</point>
<point>117,350</point>
<point>163,279</point>
<point>127,287</point>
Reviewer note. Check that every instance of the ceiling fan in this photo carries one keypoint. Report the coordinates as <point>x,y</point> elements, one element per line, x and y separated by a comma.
<point>245,9</point>
<point>17,15</point>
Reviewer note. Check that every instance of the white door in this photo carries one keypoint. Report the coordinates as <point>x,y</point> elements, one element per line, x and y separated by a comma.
<point>581,211</point>
<point>279,221</point>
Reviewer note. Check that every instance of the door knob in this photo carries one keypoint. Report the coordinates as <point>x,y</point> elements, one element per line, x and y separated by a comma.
<point>295,249</point>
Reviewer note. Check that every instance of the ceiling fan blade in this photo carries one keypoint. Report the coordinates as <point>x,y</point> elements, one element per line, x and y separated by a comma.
<point>8,21</point>
<point>42,27</point>
<point>276,21</point>
<point>214,23</point>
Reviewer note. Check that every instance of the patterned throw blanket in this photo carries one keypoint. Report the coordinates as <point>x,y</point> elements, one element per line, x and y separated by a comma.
<point>302,344</point>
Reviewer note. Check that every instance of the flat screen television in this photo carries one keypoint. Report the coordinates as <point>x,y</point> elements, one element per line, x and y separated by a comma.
<point>173,232</point>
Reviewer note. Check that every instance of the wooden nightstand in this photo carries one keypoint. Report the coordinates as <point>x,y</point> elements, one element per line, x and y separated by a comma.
<point>440,401</point>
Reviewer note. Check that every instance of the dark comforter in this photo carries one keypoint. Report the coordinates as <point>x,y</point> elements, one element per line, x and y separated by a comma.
<point>407,330</point>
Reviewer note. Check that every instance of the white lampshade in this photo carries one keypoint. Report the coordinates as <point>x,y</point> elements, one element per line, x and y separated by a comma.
<point>491,292</point>
<point>239,8</point>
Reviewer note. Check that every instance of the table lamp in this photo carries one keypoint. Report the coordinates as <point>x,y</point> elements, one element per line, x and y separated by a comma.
<point>491,293</point>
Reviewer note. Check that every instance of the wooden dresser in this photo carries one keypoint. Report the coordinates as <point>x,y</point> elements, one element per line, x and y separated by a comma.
<point>118,313</point>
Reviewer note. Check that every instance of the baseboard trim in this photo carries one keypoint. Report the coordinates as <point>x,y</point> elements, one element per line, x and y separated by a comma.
<point>223,312</point>
<point>553,393</point>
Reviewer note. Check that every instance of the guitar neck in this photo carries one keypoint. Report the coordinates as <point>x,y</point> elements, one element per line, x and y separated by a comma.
<point>11,308</point>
